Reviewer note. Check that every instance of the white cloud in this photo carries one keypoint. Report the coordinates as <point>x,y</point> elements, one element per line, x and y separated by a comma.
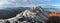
<point>18,3</point>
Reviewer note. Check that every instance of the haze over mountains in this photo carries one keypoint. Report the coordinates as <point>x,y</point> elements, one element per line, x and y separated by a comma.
<point>12,11</point>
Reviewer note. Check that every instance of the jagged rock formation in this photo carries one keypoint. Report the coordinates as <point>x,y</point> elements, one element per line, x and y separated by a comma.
<point>35,15</point>
<point>10,12</point>
<point>30,16</point>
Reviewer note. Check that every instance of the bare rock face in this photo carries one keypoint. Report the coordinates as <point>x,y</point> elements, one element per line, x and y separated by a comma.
<point>29,16</point>
<point>36,15</point>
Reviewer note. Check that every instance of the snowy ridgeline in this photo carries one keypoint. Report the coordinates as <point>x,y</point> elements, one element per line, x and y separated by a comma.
<point>28,16</point>
<point>12,12</point>
<point>6,13</point>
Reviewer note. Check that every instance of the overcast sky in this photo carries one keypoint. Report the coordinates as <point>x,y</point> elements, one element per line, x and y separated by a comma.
<point>28,3</point>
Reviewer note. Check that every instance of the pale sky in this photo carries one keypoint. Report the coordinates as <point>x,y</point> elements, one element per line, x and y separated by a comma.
<point>28,3</point>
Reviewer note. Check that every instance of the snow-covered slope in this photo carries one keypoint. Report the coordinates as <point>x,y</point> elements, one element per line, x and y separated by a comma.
<point>35,15</point>
<point>29,16</point>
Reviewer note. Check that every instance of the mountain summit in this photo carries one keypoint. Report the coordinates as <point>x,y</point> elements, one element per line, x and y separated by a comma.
<point>32,16</point>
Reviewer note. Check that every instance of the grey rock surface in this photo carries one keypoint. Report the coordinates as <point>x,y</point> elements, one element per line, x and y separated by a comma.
<point>29,16</point>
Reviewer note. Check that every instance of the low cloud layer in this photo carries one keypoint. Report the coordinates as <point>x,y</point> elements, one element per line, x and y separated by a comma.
<point>18,3</point>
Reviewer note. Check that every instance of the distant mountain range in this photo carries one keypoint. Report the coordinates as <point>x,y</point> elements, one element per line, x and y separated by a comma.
<point>11,12</point>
